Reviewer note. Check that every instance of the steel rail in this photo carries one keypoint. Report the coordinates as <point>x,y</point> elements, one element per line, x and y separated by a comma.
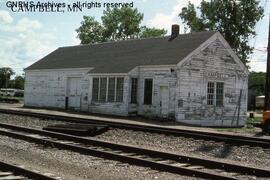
<point>139,156</point>
<point>226,138</point>
<point>17,170</point>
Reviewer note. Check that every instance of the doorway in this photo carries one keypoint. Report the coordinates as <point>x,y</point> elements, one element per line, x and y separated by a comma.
<point>164,101</point>
<point>74,93</point>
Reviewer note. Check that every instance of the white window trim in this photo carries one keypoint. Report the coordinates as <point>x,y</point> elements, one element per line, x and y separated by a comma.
<point>107,88</point>
<point>215,93</point>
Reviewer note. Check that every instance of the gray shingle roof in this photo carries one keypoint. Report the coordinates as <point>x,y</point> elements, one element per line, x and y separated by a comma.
<point>123,56</point>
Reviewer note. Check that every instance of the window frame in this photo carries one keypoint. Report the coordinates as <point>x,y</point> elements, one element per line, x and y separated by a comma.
<point>144,92</point>
<point>215,95</point>
<point>134,91</point>
<point>219,102</point>
<point>103,90</point>
<point>115,100</point>
<point>113,92</point>
<point>98,85</point>
<point>212,94</point>
<point>119,90</point>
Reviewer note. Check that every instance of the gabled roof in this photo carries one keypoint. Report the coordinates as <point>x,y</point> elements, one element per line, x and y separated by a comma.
<point>123,56</point>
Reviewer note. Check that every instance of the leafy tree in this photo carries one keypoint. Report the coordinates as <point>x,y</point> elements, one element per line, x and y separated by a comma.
<point>256,81</point>
<point>5,74</point>
<point>121,23</point>
<point>151,32</point>
<point>90,31</point>
<point>235,20</point>
<point>117,24</point>
<point>19,82</point>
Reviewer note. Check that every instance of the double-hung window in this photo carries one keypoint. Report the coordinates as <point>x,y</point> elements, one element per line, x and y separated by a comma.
<point>111,90</point>
<point>108,89</point>
<point>215,93</point>
<point>119,89</point>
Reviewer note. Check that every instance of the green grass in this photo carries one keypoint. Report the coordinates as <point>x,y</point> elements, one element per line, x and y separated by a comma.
<point>254,120</point>
<point>10,97</point>
<point>248,128</point>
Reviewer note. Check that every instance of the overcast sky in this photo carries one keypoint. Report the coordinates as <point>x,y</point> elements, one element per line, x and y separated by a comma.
<point>27,37</point>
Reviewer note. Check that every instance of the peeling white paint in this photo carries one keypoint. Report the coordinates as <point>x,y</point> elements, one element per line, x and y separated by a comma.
<point>179,91</point>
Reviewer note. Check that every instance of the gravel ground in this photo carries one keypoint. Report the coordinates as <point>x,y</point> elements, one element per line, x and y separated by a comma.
<point>208,149</point>
<point>27,121</point>
<point>246,155</point>
<point>70,165</point>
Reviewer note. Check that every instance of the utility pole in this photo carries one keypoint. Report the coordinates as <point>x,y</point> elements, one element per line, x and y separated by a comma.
<point>267,84</point>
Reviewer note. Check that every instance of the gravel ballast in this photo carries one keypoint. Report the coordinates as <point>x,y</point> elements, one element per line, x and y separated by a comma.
<point>71,165</point>
<point>207,149</point>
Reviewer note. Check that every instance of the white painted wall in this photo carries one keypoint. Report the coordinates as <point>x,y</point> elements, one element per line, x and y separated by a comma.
<point>186,82</point>
<point>214,64</point>
<point>48,88</point>
<point>162,76</point>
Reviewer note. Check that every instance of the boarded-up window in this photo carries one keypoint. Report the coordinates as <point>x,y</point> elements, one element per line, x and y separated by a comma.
<point>95,89</point>
<point>148,89</point>
<point>119,89</point>
<point>111,90</point>
<point>210,93</point>
<point>103,89</point>
<point>134,82</point>
<point>219,93</point>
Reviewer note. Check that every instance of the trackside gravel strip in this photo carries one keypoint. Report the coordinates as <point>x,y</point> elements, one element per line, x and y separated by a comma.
<point>131,154</point>
<point>227,138</point>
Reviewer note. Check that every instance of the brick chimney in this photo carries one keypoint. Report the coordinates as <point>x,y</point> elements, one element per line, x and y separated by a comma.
<point>175,31</point>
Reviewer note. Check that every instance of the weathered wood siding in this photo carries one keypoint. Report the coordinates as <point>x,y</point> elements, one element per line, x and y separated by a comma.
<point>213,64</point>
<point>184,84</point>
<point>162,76</point>
<point>48,88</point>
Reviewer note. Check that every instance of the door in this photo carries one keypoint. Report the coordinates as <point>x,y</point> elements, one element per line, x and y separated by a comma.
<point>74,93</point>
<point>164,101</point>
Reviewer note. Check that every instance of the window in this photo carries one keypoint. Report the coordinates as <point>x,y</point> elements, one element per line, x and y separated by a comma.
<point>134,83</point>
<point>111,90</point>
<point>148,87</point>
<point>103,89</point>
<point>210,93</point>
<point>219,93</point>
<point>95,89</point>
<point>108,89</point>
<point>119,89</point>
<point>215,93</point>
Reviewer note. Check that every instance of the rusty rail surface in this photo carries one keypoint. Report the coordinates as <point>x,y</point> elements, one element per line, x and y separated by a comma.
<point>226,138</point>
<point>174,163</point>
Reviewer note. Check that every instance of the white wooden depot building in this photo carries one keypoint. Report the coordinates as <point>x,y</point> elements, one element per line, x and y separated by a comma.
<point>192,78</point>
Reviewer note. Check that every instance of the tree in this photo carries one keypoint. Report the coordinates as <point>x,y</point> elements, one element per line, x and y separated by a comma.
<point>117,24</point>
<point>151,32</point>
<point>5,74</point>
<point>19,82</point>
<point>235,20</point>
<point>256,81</point>
<point>90,31</point>
<point>121,23</point>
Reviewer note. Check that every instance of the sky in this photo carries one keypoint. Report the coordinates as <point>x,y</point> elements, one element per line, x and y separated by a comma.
<point>26,37</point>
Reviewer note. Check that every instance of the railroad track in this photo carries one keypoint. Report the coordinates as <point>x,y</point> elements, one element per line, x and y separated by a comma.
<point>14,172</point>
<point>174,163</point>
<point>226,138</point>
